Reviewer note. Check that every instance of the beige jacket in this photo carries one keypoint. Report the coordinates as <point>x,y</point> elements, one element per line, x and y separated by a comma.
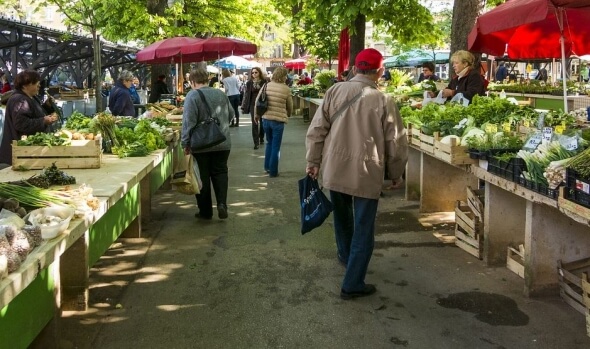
<point>280,102</point>
<point>354,149</point>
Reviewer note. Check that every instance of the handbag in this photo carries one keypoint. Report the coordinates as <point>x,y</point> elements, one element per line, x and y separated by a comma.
<point>186,178</point>
<point>315,206</point>
<point>262,102</point>
<point>207,133</point>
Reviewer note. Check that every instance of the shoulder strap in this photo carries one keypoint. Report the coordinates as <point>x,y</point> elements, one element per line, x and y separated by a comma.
<point>346,105</point>
<point>202,95</point>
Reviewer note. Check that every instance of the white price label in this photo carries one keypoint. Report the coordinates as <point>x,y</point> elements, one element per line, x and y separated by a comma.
<point>571,144</point>
<point>534,141</point>
<point>547,133</point>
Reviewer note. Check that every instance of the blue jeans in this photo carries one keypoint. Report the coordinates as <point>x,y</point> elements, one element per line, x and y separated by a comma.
<point>354,227</point>
<point>274,137</point>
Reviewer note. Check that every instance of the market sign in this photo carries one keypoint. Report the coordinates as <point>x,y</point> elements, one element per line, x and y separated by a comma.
<point>277,63</point>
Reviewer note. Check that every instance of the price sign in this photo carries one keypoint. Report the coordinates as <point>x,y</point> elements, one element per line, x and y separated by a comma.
<point>571,144</point>
<point>534,141</point>
<point>491,128</point>
<point>547,133</point>
<point>559,129</point>
<point>506,127</point>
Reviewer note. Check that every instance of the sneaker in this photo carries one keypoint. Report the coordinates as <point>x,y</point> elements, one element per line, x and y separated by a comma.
<point>366,291</point>
<point>255,146</point>
<point>222,211</point>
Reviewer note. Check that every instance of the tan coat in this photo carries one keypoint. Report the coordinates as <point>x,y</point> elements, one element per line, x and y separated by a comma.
<point>354,149</point>
<point>280,102</point>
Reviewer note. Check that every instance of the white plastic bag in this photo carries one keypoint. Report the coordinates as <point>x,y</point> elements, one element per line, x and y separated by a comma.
<point>458,98</point>
<point>438,99</point>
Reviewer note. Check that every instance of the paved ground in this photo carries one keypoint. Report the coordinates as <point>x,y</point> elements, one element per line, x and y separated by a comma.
<point>252,281</point>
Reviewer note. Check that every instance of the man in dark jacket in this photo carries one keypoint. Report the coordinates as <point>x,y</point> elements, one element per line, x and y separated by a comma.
<point>158,89</point>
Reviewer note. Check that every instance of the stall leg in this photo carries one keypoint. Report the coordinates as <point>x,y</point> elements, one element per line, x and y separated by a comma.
<point>550,236</point>
<point>74,275</point>
<point>442,185</point>
<point>413,168</point>
<point>504,223</point>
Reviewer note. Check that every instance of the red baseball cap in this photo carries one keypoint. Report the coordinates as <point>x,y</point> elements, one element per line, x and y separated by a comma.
<point>368,59</point>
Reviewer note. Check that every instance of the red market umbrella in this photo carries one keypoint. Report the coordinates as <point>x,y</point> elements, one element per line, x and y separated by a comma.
<point>219,47</point>
<point>343,51</point>
<point>172,49</point>
<point>534,29</point>
<point>298,63</point>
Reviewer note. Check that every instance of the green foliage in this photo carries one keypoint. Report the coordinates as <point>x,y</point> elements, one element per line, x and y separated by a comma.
<point>399,78</point>
<point>325,79</point>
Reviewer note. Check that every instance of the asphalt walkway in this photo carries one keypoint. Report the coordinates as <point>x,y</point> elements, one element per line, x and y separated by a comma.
<point>252,281</point>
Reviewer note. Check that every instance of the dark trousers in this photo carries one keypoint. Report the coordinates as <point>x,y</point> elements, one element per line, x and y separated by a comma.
<point>234,101</point>
<point>257,131</point>
<point>354,227</point>
<point>213,171</point>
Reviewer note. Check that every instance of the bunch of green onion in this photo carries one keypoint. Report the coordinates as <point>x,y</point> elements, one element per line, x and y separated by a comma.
<point>31,196</point>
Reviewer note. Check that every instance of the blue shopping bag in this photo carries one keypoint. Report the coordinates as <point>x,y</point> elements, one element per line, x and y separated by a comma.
<point>315,206</point>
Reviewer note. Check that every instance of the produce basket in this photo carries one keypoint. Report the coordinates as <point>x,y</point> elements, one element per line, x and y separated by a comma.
<point>452,153</point>
<point>80,154</point>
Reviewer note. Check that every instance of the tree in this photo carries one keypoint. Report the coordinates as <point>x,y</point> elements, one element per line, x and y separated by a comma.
<point>321,41</point>
<point>405,20</point>
<point>464,14</point>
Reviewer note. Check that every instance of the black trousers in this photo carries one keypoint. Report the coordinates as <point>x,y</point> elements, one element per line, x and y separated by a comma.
<point>213,171</point>
<point>234,101</point>
<point>257,131</point>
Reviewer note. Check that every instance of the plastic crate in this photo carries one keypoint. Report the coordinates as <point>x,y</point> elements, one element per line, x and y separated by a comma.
<point>575,181</point>
<point>510,170</point>
<point>539,188</point>
<point>577,196</point>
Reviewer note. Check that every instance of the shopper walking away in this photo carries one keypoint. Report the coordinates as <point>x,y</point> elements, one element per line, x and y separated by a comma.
<point>353,137</point>
<point>253,86</point>
<point>231,84</point>
<point>120,99</point>
<point>280,107</point>
<point>212,161</point>
<point>25,114</point>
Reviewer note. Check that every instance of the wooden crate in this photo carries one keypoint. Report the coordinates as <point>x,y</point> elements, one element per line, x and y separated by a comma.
<point>81,154</point>
<point>468,230</point>
<point>414,135</point>
<point>427,143</point>
<point>573,284</point>
<point>475,200</point>
<point>453,153</point>
<point>515,260</point>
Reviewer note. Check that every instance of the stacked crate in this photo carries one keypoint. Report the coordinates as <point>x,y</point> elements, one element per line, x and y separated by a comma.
<point>469,223</point>
<point>574,286</point>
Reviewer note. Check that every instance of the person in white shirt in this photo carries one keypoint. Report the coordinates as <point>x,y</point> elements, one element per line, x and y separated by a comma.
<point>232,90</point>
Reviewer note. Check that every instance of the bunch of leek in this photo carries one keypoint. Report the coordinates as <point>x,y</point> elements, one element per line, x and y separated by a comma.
<point>539,160</point>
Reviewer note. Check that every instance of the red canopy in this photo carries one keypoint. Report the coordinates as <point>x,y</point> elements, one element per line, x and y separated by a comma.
<point>220,47</point>
<point>343,51</point>
<point>298,63</point>
<point>533,28</point>
<point>167,50</point>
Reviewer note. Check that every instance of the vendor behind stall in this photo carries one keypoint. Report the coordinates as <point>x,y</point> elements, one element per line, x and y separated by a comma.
<point>468,81</point>
<point>25,114</point>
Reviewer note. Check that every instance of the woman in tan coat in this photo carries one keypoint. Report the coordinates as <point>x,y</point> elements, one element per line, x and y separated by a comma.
<point>280,107</point>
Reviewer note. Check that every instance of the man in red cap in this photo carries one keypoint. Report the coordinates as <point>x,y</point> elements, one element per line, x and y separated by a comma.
<point>353,137</point>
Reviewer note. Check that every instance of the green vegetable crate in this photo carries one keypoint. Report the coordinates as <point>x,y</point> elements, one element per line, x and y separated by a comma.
<point>80,154</point>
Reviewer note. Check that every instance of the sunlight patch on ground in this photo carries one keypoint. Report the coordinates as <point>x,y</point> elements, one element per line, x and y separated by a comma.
<point>174,307</point>
<point>430,219</point>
